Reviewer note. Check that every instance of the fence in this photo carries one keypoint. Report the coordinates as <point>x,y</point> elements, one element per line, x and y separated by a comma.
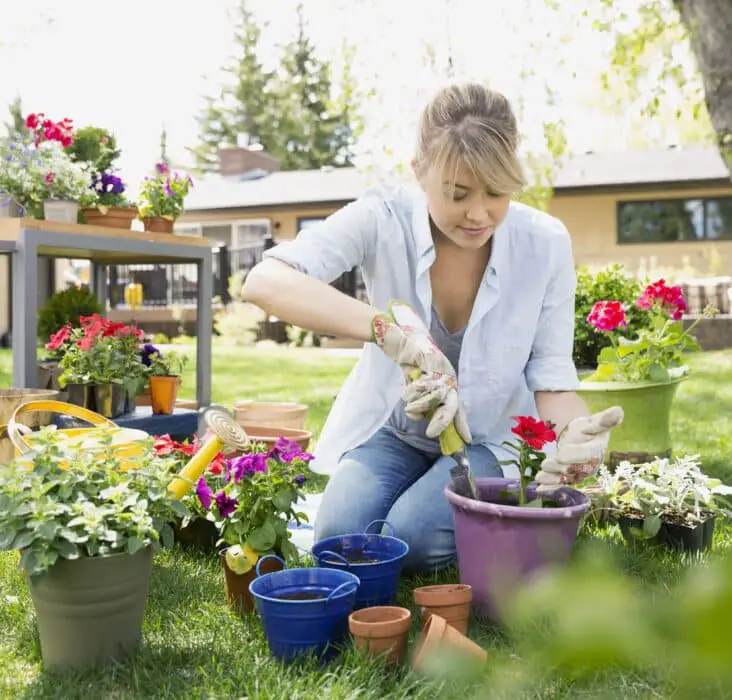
<point>700,293</point>
<point>166,285</point>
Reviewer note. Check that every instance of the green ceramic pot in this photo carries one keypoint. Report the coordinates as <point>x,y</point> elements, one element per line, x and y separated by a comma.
<point>90,609</point>
<point>645,430</point>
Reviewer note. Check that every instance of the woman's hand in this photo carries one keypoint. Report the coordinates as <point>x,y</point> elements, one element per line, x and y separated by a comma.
<point>431,378</point>
<point>581,449</point>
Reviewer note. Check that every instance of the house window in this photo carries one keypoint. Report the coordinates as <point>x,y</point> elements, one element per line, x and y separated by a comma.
<point>304,221</point>
<point>672,220</point>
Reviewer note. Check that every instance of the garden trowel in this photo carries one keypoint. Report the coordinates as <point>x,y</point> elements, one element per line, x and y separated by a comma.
<point>451,443</point>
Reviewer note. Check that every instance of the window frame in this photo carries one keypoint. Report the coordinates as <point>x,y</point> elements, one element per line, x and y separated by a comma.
<point>705,199</point>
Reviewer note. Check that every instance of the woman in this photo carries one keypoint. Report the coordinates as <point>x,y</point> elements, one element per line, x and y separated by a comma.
<point>494,282</point>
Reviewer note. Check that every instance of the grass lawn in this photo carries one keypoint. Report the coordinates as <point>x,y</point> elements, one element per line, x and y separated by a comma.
<point>194,648</point>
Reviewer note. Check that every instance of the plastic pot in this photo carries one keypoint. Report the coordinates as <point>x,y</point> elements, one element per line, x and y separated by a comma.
<point>687,538</point>
<point>450,601</point>
<point>377,560</point>
<point>381,630</point>
<point>163,392</point>
<point>304,611</point>
<point>90,609</point>
<point>500,544</point>
<point>645,430</point>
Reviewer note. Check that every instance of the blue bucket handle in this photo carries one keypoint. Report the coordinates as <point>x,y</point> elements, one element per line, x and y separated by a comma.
<point>383,522</point>
<point>344,585</point>
<point>338,557</point>
<point>270,556</point>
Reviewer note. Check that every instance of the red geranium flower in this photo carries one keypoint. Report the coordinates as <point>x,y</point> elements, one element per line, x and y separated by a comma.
<point>607,316</point>
<point>669,300</point>
<point>535,433</point>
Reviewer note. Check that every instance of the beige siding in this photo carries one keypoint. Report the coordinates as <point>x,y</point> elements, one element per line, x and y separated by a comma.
<point>592,222</point>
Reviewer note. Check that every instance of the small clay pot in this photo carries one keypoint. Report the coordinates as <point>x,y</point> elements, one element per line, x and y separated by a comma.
<point>451,602</point>
<point>163,392</point>
<point>381,630</point>
<point>158,224</point>
<point>236,585</point>
<point>437,635</point>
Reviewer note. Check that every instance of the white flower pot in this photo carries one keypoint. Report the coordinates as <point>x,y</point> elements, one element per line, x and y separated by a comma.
<point>8,210</point>
<point>63,211</point>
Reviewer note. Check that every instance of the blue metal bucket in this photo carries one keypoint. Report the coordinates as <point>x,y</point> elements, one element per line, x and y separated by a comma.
<point>377,560</point>
<point>304,611</point>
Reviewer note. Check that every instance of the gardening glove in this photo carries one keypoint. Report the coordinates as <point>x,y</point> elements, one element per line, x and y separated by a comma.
<point>431,379</point>
<point>581,449</point>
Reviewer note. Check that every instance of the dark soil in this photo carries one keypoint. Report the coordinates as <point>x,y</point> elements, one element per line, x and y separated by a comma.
<point>301,596</point>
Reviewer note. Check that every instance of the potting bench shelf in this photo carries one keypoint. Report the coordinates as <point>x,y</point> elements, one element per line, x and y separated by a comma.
<point>182,424</point>
<point>25,240</point>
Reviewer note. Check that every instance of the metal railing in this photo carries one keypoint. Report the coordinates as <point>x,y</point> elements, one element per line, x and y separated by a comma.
<point>167,285</point>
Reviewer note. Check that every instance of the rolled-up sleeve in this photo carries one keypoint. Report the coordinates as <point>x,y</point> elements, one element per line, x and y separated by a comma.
<point>550,366</point>
<point>336,245</point>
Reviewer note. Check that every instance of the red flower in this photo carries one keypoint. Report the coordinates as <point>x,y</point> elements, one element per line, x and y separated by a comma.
<point>668,300</point>
<point>535,433</point>
<point>607,315</point>
<point>31,121</point>
<point>59,338</point>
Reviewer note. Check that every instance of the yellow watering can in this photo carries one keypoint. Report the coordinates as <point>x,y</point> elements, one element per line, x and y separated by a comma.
<point>126,442</point>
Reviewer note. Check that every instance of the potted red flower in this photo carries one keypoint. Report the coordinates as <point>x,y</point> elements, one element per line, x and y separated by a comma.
<point>641,374</point>
<point>101,364</point>
<point>510,533</point>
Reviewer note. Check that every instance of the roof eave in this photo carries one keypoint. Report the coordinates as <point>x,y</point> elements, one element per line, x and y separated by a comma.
<point>641,186</point>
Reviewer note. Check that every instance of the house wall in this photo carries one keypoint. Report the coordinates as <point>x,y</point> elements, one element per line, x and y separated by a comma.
<point>286,218</point>
<point>592,221</point>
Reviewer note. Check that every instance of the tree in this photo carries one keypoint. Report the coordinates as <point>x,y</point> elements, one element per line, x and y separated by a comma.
<point>665,45</point>
<point>316,130</point>
<point>16,125</point>
<point>243,105</point>
<point>295,113</point>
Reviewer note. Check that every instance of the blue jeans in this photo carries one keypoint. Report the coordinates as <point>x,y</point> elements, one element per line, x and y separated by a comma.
<point>384,478</point>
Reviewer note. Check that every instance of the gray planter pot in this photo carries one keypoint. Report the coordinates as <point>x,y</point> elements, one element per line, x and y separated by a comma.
<point>90,610</point>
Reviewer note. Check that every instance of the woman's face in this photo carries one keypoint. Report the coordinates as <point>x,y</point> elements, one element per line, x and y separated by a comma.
<point>467,216</point>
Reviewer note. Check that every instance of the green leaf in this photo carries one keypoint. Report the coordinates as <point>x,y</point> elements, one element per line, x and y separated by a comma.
<point>167,536</point>
<point>289,550</point>
<point>607,354</point>
<point>263,538</point>
<point>179,508</point>
<point>72,536</point>
<point>6,539</point>
<point>134,544</point>
<point>656,373</point>
<point>48,529</point>
<point>282,499</point>
<point>651,525</point>
<point>23,539</point>
<point>66,549</point>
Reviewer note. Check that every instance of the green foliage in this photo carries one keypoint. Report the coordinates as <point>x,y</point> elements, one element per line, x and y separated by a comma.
<point>253,501</point>
<point>611,283</point>
<point>294,112</point>
<point>66,306</point>
<point>81,503</point>
<point>96,146</point>
<point>169,365</point>
<point>163,194</point>
<point>15,128</point>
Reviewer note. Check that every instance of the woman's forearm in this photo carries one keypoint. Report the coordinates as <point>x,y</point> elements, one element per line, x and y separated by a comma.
<point>307,302</point>
<point>560,407</point>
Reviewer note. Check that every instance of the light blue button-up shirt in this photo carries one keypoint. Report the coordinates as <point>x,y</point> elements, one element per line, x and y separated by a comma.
<point>519,338</point>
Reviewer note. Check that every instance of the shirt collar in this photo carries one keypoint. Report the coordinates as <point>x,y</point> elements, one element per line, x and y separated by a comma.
<point>425,245</point>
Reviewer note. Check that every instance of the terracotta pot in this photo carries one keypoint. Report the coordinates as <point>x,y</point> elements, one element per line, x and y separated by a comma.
<point>274,414</point>
<point>269,435</point>
<point>163,392</point>
<point>438,638</point>
<point>115,217</point>
<point>237,585</point>
<point>450,601</point>
<point>381,630</point>
<point>158,224</point>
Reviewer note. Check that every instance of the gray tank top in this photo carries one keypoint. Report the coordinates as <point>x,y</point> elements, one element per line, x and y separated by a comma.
<point>413,432</point>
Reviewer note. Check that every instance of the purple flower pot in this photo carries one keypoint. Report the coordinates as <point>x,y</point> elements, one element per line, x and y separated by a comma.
<point>499,544</point>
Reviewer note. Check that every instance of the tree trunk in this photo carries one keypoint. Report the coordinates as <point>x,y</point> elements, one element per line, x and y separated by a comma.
<point>709,23</point>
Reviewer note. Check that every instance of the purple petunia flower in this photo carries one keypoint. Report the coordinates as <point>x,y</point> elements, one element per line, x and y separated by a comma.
<point>299,479</point>
<point>225,504</point>
<point>149,349</point>
<point>246,465</point>
<point>288,451</point>
<point>204,493</point>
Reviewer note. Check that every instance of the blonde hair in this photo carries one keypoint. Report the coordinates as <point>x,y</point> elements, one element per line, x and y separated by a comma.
<point>472,124</point>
